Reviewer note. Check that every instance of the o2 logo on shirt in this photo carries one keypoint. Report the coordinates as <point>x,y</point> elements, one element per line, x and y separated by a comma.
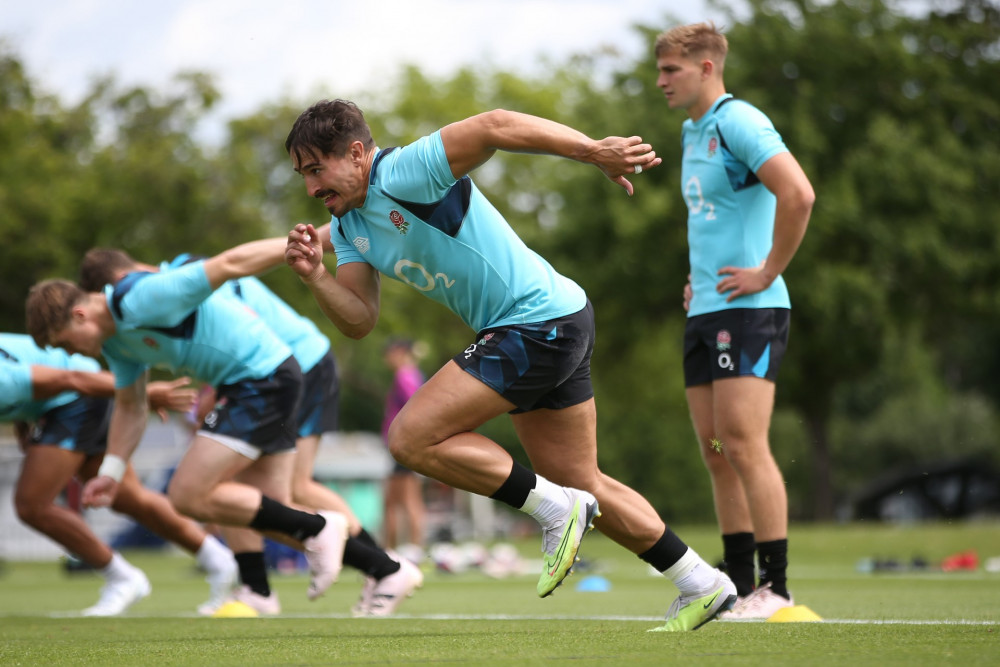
<point>696,201</point>
<point>422,279</point>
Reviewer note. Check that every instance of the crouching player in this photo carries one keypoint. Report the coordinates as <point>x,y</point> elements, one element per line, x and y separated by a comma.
<point>60,405</point>
<point>238,468</point>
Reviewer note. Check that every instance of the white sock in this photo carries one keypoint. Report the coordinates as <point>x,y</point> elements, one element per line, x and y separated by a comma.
<point>692,575</point>
<point>117,569</point>
<point>213,555</point>
<point>547,502</point>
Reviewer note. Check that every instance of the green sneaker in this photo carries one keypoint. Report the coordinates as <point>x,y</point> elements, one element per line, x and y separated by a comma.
<point>560,555</point>
<point>690,613</point>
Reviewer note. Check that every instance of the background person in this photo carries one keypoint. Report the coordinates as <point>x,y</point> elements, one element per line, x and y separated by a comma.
<point>748,207</point>
<point>404,495</point>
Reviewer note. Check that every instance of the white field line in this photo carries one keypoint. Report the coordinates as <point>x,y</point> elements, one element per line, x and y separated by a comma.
<point>534,617</point>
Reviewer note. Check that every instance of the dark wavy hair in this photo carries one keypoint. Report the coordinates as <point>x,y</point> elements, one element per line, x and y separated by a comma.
<point>328,128</point>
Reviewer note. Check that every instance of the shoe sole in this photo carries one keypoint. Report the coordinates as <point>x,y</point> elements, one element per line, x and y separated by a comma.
<point>593,512</point>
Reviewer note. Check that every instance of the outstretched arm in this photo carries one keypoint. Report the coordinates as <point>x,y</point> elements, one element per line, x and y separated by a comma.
<point>47,382</point>
<point>471,142</point>
<point>247,259</point>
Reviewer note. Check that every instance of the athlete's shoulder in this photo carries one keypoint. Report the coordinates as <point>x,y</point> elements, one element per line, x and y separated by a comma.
<point>737,112</point>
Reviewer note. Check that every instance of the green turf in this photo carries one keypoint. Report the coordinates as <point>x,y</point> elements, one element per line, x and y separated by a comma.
<point>929,618</point>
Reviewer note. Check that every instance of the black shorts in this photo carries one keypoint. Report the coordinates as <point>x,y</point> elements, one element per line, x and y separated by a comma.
<point>542,365</point>
<point>80,426</point>
<point>734,343</point>
<point>320,405</point>
<point>260,413</point>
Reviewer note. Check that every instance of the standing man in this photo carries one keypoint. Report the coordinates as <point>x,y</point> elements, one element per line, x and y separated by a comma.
<point>59,405</point>
<point>238,469</point>
<point>748,206</point>
<point>414,214</point>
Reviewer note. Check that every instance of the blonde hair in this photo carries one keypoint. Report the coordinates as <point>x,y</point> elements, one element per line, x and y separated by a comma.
<point>692,40</point>
<point>49,308</point>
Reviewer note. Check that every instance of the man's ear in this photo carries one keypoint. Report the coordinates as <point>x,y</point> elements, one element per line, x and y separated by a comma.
<point>79,313</point>
<point>357,151</point>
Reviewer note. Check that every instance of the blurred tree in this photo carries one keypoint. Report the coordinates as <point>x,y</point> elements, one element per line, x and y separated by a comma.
<point>895,117</point>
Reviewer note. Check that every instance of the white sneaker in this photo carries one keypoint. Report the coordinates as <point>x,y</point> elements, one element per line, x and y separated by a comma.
<point>325,553</point>
<point>561,540</point>
<point>117,595</point>
<point>360,607</point>
<point>265,606</point>
<point>759,605</point>
<point>389,592</point>
<point>221,583</point>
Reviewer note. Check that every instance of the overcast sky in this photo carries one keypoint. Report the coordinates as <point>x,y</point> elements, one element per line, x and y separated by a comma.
<point>262,50</point>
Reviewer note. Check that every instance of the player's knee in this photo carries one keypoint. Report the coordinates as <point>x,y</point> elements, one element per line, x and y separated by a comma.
<point>403,446</point>
<point>28,511</point>
<point>184,497</point>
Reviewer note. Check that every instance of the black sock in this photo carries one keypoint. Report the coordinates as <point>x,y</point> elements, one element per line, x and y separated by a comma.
<point>773,559</point>
<point>366,538</point>
<point>738,551</point>
<point>514,491</point>
<point>666,552</point>
<point>279,518</point>
<point>253,571</point>
<point>372,561</point>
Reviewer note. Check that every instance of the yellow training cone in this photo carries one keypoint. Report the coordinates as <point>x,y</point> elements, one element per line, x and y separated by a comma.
<point>797,614</point>
<point>235,609</point>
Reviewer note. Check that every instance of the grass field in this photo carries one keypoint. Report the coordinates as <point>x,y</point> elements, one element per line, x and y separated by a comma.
<point>925,618</point>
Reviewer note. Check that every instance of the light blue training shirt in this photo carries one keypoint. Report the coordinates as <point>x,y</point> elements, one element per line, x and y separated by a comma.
<point>441,236</point>
<point>173,320</point>
<point>730,212</point>
<point>18,353</point>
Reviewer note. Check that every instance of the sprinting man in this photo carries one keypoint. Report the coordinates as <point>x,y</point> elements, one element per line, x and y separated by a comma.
<point>59,404</point>
<point>237,470</point>
<point>748,207</point>
<point>414,214</point>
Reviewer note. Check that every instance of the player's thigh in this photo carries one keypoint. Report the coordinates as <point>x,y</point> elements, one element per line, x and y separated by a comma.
<point>45,472</point>
<point>743,408</point>
<point>701,406</point>
<point>450,402</point>
<point>206,464</point>
<point>561,444</point>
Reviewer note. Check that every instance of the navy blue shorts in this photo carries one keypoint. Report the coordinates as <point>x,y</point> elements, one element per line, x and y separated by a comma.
<point>80,426</point>
<point>261,412</point>
<point>734,343</point>
<point>542,365</point>
<point>320,406</point>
